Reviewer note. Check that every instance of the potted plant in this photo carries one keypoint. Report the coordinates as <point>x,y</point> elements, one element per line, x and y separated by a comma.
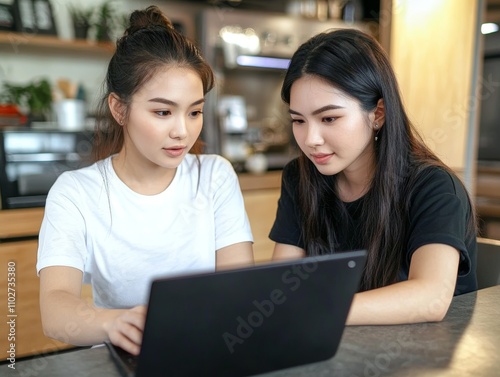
<point>82,20</point>
<point>35,98</point>
<point>104,22</point>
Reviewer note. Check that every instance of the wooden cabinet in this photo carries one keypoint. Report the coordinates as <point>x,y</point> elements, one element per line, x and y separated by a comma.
<point>18,223</point>
<point>261,208</point>
<point>488,199</point>
<point>20,302</point>
<point>261,194</point>
<point>19,285</point>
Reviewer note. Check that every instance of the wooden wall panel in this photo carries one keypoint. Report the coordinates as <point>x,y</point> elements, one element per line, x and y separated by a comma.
<point>432,51</point>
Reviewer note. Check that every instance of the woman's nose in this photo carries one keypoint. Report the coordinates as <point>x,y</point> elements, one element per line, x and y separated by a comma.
<point>313,136</point>
<point>179,130</point>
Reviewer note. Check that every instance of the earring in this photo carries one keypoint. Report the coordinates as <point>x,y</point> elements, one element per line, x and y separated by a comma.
<point>376,135</point>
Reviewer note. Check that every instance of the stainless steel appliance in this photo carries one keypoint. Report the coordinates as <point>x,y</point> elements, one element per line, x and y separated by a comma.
<point>250,52</point>
<point>31,160</point>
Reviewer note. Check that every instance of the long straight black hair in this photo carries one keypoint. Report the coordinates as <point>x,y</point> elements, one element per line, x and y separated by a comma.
<point>355,63</point>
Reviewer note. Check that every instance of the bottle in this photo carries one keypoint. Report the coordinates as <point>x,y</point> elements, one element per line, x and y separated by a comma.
<point>352,11</point>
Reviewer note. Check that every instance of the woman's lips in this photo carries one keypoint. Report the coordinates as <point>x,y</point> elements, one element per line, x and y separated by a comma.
<point>174,151</point>
<point>321,158</point>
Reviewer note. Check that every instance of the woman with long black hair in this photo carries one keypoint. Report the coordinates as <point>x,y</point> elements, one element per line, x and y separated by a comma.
<point>364,179</point>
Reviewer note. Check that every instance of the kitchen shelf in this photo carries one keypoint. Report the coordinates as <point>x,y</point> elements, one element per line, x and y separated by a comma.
<point>17,42</point>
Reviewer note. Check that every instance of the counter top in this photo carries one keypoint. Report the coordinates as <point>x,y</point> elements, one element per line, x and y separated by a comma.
<point>465,343</point>
<point>268,180</point>
<point>23,222</point>
<point>26,222</point>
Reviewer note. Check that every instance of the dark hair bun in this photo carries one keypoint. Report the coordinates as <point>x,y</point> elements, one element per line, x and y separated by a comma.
<point>151,16</point>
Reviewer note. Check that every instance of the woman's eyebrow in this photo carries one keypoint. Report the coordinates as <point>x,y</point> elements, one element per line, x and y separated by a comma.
<point>172,103</point>
<point>326,108</point>
<point>318,111</point>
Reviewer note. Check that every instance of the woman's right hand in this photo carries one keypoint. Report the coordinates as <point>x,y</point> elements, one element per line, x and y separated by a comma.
<point>69,318</point>
<point>126,329</point>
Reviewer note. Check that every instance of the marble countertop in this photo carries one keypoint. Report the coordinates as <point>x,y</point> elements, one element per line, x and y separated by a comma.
<point>465,343</point>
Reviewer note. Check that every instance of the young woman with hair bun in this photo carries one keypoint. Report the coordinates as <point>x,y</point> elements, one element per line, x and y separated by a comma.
<point>150,206</point>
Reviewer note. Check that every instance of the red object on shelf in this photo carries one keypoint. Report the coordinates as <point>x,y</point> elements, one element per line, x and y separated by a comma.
<point>10,116</point>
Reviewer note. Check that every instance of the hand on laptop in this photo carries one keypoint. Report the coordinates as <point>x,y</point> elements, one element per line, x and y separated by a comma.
<point>126,329</point>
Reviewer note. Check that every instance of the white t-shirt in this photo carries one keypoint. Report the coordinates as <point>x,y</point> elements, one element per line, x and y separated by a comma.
<point>121,240</point>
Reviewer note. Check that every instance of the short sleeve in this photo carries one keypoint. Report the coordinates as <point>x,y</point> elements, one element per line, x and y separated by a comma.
<point>62,234</point>
<point>231,220</point>
<point>439,213</point>
<point>286,228</point>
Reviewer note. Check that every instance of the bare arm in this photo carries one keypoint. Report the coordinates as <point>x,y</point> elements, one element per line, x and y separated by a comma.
<point>424,297</point>
<point>66,316</point>
<point>235,256</point>
<point>282,252</point>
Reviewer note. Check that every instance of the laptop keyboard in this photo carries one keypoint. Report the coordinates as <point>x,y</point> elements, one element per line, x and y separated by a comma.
<point>126,362</point>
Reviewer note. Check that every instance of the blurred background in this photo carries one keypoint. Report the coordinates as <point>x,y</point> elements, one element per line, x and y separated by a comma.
<point>54,55</point>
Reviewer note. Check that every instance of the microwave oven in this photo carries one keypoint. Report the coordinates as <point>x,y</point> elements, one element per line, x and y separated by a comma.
<point>32,159</point>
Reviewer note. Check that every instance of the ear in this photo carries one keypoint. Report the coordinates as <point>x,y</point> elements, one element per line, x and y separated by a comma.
<point>116,108</point>
<point>379,114</point>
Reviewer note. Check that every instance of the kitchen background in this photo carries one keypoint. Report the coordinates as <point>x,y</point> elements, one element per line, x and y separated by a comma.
<point>435,46</point>
<point>248,43</point>
<point>18,64</point>
<point>31,157</point>
<point>448,74</point>
<point>238,118</point>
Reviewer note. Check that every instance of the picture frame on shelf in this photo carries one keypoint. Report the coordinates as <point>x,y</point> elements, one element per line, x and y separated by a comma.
<point>44,16</point>
<point>24,16</point>
<point>6,17</point>
<point>34,16</point>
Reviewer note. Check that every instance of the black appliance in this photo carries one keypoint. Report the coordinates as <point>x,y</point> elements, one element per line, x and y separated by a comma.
<point>31,160</point>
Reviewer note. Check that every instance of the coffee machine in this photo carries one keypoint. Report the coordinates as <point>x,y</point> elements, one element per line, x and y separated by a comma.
<point>250,52</point>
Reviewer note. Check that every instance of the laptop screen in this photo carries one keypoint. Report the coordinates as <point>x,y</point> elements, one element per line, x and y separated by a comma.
<point>249,321</point>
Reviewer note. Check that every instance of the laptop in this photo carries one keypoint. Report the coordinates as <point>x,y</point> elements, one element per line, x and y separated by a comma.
<point>247,321</point>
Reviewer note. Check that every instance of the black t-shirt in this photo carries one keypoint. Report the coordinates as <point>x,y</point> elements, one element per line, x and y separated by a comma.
<point>439,212</point>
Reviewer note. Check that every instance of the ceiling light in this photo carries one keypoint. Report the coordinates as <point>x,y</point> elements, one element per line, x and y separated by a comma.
<point>489,27</point>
